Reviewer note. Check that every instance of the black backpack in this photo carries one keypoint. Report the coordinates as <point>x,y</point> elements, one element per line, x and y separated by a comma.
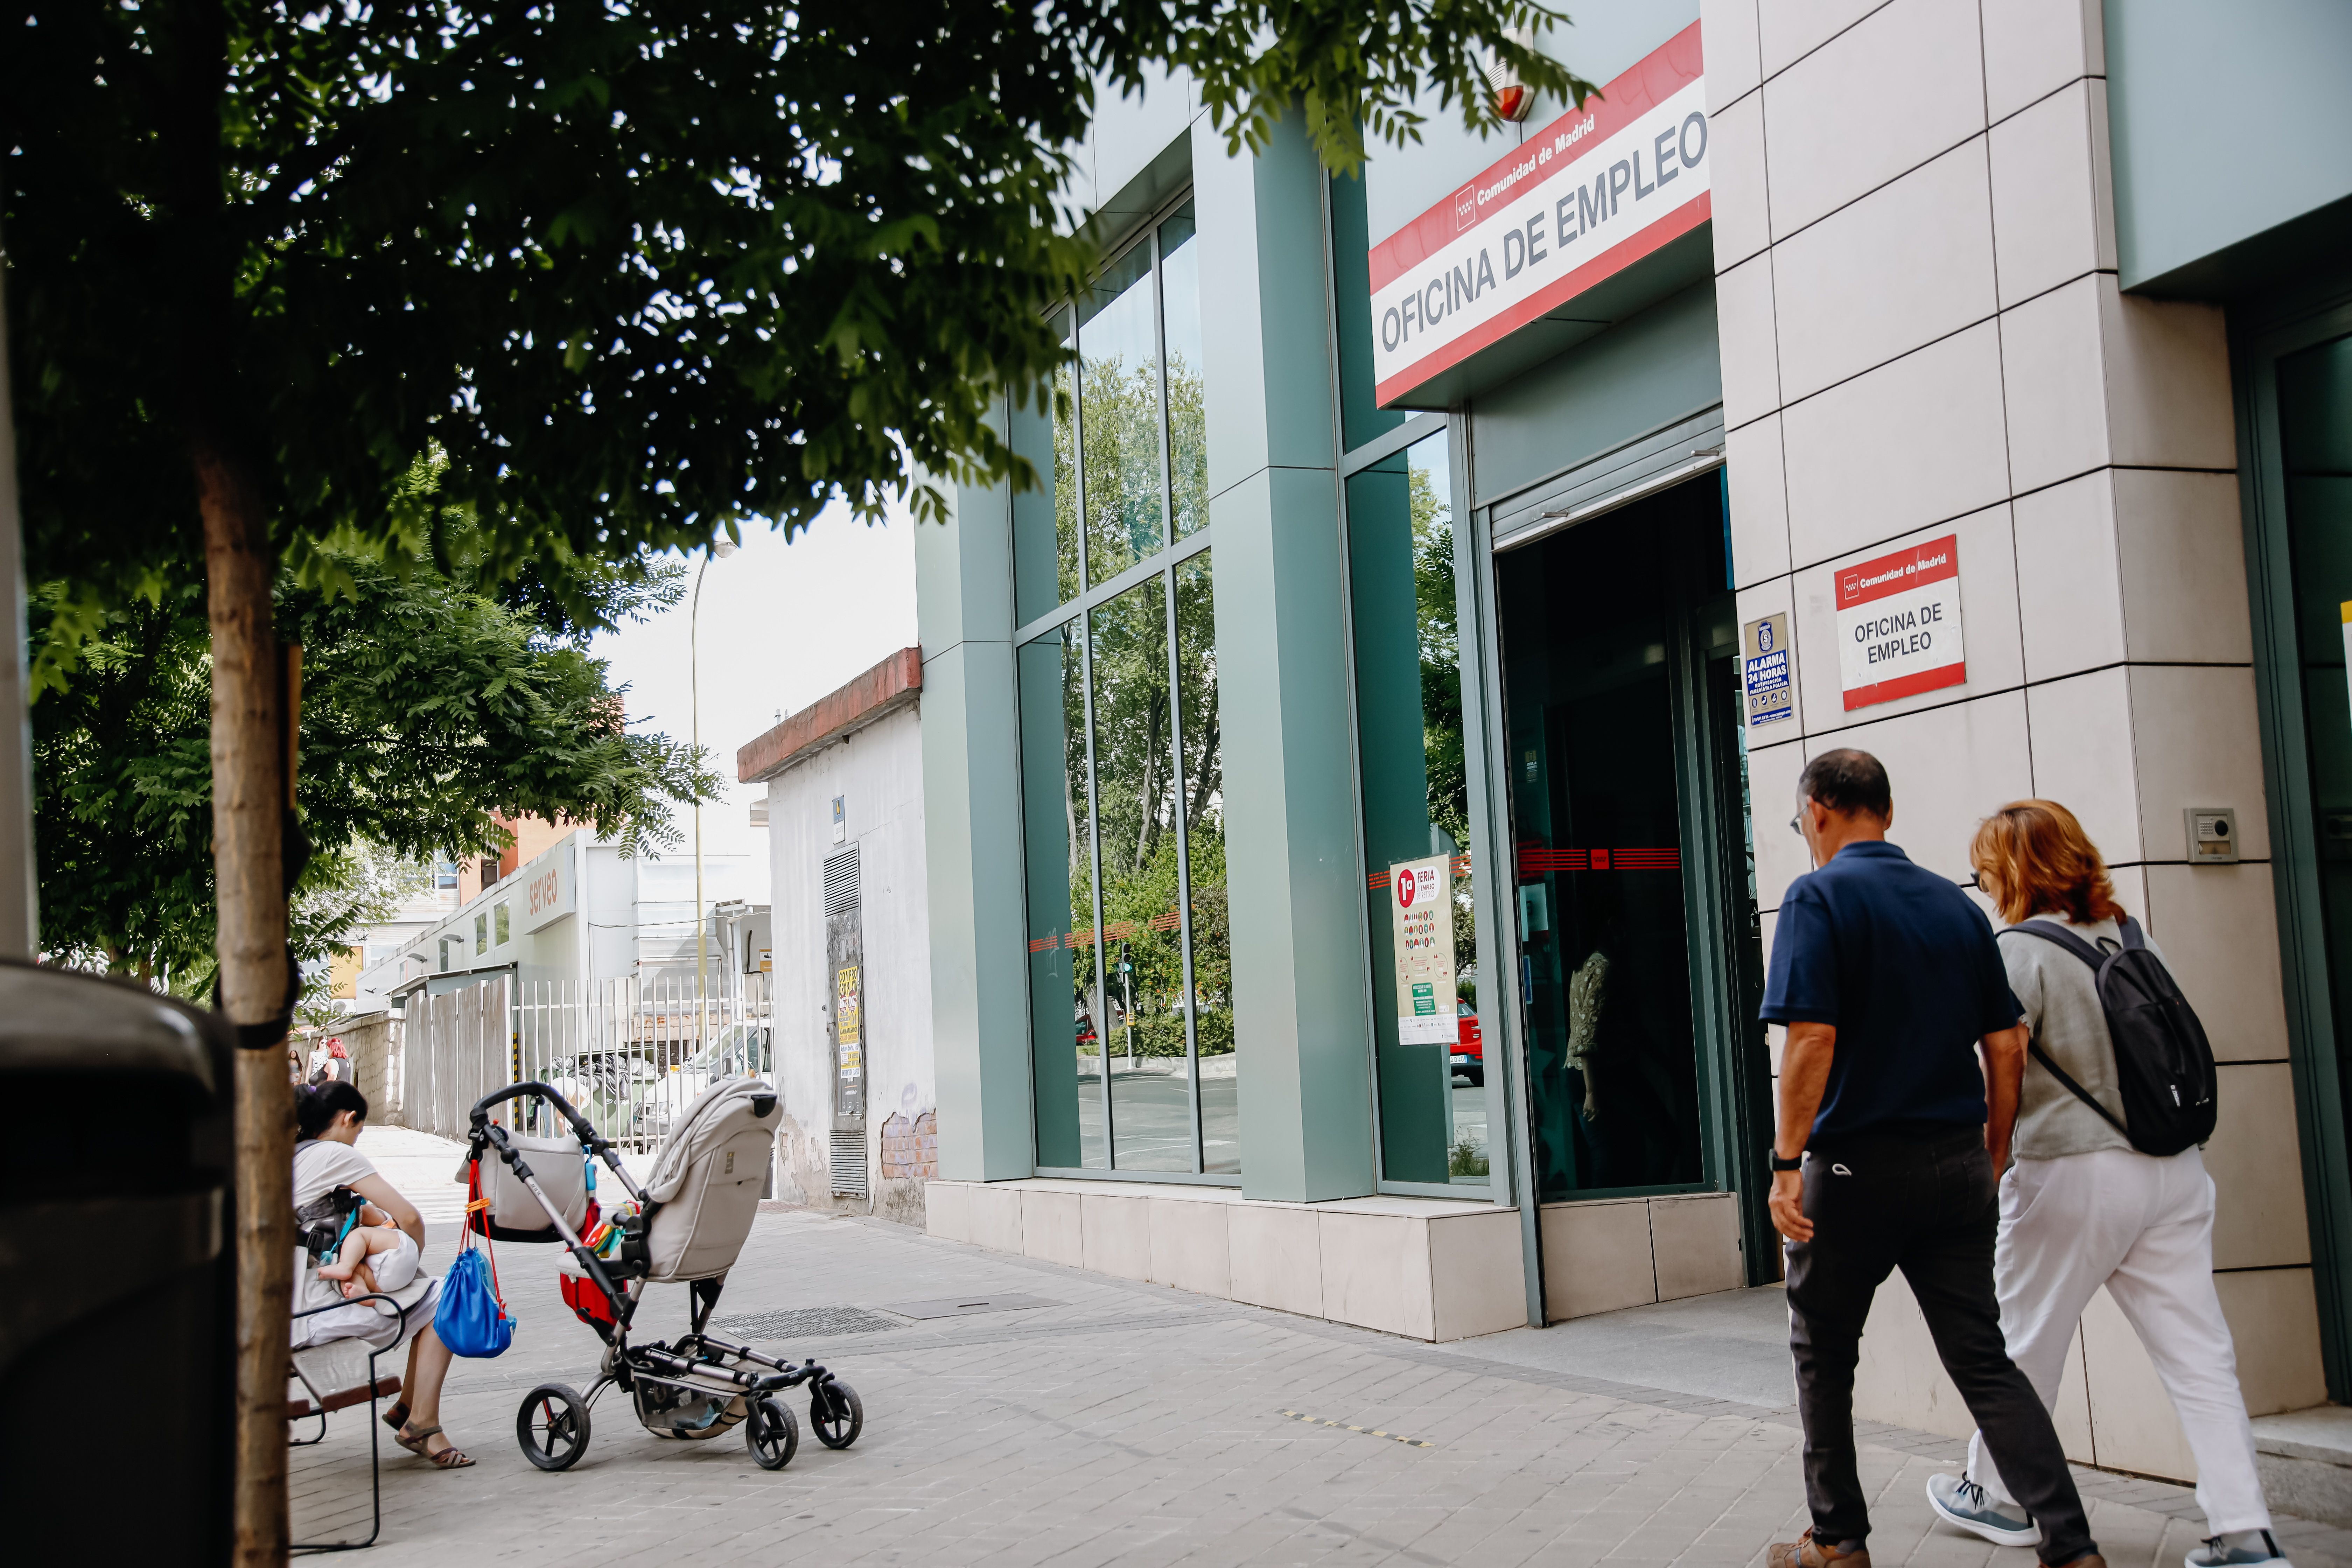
<point>2164,1067</point>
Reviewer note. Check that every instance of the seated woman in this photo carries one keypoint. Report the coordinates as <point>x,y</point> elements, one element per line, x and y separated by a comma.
<point>330,1118</point>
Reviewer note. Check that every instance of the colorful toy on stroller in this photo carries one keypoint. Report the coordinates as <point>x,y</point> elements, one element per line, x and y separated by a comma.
<point>687,1225</point>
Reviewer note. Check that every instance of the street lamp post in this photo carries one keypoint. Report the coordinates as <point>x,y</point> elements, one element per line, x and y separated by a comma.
<point>722,549</point>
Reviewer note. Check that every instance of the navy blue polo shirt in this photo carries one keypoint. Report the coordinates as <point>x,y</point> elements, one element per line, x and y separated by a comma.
<point>1905,968</point>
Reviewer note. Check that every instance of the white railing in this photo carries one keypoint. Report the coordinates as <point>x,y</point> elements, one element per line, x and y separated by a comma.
<point>456,1047</point>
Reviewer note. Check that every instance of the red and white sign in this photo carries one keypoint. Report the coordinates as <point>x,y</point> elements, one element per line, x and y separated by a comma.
<point>1898,623</point>
<point>1586,196</point>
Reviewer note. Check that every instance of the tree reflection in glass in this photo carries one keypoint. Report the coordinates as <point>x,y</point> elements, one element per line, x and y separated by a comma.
<point>1065,987</point>
<point>1188,424</point>
<point>1119,417</point>
<point>1201,786</point>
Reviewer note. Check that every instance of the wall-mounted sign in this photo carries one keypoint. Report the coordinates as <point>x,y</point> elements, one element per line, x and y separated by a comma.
<point>550,889</point>
<point>1764,669</point>
<point>1584,197</point>
<point>1898,623</point>
<point>1421,912</point>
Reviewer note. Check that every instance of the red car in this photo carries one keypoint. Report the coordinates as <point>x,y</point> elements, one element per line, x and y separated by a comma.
<point>1469,1046</point>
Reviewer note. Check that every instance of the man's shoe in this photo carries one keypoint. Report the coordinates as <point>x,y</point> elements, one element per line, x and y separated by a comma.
<point>1958,1500</point>
<point>2088,1560</point>
<point>1806,1552</point>
<point>2239,1549</point>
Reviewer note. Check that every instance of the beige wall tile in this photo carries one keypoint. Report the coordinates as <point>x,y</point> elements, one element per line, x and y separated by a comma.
<point>947,1210</point>
<point>1052,1228</point>
<point>1766,598</point>
<point>2071,1414</point>
<point>2182,541</point>
<point>1276,1256</point>
<point>1188,1246</point>
<point>1733,65</point>
<point>2167,377</point>
<point>1912,71</point>
<point>995,1216</point>
<point>1906,264</point>
<point>1116,1233</point>
<point>1758,486</point>
<point>2256,1162</point>
<point>1743,213</point>
<point>1858,469</point>
<point>2217,926</point>
<point>1596,1257</point>
<point>1743,317</point>
<point>2197,743</point>
<point>2054,376</point>
<point>2031,48</point>
<point>2274,1319</point>
<point>1788,28</point>
<point>1996,659</point>
<point>2133,1427</point>
<point>1781,856</point>
<point>2069,587</point>
<point>1478,1283</point>
<point>1695,1242</point>
<point>2083,757</point>
<point>1899,1378</point>
<point>2045,208</point>
<point>1950,766</point>
<point>1375,1272</point>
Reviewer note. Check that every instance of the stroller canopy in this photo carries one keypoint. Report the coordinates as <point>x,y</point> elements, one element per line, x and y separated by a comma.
<point>707,1181</point>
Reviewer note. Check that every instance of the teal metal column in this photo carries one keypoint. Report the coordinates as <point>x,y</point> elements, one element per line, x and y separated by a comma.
<point>1293,866</point>
<point>972,828</point>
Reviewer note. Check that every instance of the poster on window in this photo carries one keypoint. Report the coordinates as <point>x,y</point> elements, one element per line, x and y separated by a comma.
<point>1421,911</point>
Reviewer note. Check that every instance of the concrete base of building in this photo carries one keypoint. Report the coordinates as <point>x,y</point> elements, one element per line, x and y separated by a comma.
<point>2305,1458</point>
<point>1608,1253</point>
<point>1428,1268</point>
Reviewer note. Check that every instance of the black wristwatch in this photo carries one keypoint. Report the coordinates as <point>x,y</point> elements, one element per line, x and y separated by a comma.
<point>1780,1164</point>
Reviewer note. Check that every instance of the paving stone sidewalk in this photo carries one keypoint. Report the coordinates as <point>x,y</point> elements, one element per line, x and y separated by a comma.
<point>1141,1426</point>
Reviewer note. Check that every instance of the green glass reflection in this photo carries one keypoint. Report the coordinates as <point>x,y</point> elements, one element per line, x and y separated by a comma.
<point>1119,417</point>
<point>1201,785</point>
<point>1362,418</point>
<point>1143,960</point>
<point>1400,571</point>
<point>1187,423</point>
<point>1064,986</point>
<point>1046,520</point>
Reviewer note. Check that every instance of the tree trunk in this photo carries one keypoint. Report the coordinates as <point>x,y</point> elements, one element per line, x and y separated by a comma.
<point>249,795</point>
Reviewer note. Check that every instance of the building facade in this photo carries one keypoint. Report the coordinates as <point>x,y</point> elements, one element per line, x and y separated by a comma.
<point>1356,781</point>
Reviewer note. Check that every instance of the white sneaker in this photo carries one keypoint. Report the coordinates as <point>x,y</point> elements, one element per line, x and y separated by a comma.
<point>1961,1501</point>
<point>2239,1549</point>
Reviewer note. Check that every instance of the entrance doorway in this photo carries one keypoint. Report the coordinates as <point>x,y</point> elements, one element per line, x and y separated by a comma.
<point>1640,962</point>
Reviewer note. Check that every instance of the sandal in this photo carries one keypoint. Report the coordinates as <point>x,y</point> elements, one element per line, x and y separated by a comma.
<point>449,1458</point>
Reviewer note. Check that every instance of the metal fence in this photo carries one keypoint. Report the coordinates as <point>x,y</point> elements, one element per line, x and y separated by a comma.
<point>456,1048</point>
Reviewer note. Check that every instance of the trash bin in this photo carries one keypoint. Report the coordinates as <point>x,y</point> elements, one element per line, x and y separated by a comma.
<point>117,1312</point>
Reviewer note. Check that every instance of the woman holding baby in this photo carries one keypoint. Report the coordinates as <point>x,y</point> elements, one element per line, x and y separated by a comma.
<point>387,1255</point>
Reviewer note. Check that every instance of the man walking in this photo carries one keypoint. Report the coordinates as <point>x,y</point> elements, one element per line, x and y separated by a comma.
<point>1887,976</point>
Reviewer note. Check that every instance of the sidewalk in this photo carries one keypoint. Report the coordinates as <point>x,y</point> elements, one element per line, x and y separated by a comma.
<point>1139,1425</point>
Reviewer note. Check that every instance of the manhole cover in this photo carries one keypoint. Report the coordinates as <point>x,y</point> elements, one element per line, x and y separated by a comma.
<point>808,1324</point>
<point>962,1306</point>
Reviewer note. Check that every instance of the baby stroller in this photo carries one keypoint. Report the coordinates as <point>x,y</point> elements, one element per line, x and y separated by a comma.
<point>692,1217</point>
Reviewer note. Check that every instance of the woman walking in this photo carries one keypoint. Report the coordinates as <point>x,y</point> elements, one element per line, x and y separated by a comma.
<point>2080,1207</point>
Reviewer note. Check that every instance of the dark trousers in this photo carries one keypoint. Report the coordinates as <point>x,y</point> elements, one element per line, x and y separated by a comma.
<point>1927,1206</point>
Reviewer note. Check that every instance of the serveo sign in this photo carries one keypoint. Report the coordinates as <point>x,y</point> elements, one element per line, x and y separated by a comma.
<point>1898,623</point>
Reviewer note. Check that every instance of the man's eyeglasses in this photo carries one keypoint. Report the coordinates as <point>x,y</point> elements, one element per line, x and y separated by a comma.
<point>1797,824</point>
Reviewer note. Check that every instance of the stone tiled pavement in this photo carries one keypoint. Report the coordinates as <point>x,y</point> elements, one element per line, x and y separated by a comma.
<point>1141,1426</point>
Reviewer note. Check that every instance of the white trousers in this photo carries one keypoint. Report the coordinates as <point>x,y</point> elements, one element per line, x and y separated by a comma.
<point>2143,1228</point>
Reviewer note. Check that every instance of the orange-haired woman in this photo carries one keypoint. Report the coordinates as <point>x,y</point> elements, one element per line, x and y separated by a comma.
<point>2082,1208</point>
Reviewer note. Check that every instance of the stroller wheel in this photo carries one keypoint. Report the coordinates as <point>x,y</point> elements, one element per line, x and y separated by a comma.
<point>772,1434</point>
<point>837,1413</point>
<point>553,1427</point>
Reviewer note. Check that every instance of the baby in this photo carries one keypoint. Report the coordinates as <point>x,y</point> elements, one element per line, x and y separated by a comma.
<point>373,1236</point>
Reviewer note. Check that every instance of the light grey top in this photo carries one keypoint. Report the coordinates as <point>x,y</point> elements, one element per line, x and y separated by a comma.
<point>2060,994</point>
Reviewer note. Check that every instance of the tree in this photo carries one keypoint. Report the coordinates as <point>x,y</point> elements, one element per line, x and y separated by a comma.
<point>636,271</point>
<point>428,706</point>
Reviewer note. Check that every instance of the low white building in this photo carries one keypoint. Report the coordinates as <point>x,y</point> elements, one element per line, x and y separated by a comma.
<point>849,935</point>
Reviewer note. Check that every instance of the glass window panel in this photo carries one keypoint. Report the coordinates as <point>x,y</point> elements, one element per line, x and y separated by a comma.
<point>1210,931</point>
<point>1057,831</point>
<point>1046,520</point>
<point>1360,416</point>
<point>1429,1044</point>
<point>1188,425</point>
<point>1136,794</point>
<point>1118,339</point>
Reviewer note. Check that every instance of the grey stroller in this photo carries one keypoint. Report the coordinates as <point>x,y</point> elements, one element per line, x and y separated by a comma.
<point>693,1217</point>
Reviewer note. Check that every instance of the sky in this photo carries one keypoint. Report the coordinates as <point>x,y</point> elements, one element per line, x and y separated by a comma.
<point>782,625</point>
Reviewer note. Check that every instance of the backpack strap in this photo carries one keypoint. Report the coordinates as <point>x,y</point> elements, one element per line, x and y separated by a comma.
<point>2050,932</point>
<point>2078,1091</point>
<point>2091,955</point>
<point>2133,938</point>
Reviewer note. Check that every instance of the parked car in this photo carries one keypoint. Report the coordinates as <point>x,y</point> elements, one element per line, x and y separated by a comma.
<point>737,1050</point>
<point>1469,1046</point>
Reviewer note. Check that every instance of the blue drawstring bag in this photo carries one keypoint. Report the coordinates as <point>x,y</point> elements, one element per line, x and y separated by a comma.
<point>471,1319</point>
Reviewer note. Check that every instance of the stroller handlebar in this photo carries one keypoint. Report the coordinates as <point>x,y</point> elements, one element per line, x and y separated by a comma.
<point>581,1127</point>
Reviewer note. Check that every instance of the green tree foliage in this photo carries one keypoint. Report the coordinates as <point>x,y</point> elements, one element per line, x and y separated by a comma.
<point>637,272</point>
<point>427,705</point>
<point>1436,612</point>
